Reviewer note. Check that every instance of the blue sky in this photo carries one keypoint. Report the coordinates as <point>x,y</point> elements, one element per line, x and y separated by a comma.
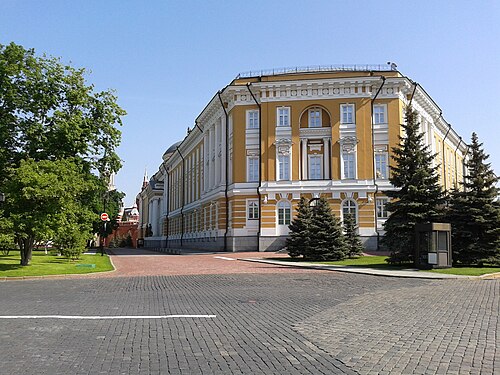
<point>166,59</point>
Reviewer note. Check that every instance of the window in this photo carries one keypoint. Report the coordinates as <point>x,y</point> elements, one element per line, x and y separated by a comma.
<point>381,165</point>
<point>349,165</point>
<point>347,114</point>
<point>315,118</point>
<point>252,210</point>
<point>381,208</point>
<point>284,213</point>
<point>379,115</point>
<point>253,168</point>
<point>283,167</point>
<point>315,167</point>
<point>253,119</point>
<point>349,208</point>
<point>283,116</point>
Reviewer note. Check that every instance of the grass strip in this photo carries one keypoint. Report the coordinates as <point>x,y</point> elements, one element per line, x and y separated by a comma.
<point>46,264</point>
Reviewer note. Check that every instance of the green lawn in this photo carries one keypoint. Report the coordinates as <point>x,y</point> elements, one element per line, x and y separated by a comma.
<point>468,271</point>
<point>379,262</point>
<point>42,264</point>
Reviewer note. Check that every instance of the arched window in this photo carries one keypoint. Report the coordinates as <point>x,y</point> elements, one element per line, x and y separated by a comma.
<point>315,117</point>
<point>349,207</point>
<point>284,213</point>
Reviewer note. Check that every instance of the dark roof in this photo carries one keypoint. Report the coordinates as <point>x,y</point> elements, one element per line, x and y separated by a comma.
<point>172,148</point>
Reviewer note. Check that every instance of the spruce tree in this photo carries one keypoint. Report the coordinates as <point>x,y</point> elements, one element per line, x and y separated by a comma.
<point>327,241</point>
<point>300,230</point>
<point>418,197</point>
<point>354,247</point>
<point>474,212</point>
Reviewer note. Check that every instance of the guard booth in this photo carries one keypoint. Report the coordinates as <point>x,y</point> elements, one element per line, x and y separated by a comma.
<point>433,245</point>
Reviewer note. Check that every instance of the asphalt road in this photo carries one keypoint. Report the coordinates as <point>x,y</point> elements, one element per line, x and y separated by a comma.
<point>253,322</point>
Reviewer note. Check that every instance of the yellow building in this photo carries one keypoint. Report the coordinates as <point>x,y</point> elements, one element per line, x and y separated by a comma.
<point>270,137</point>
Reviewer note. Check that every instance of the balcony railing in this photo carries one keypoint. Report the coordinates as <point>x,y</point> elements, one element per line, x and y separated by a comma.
<point>320,68</point>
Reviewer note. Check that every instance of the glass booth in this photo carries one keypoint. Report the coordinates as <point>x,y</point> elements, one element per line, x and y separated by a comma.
<point>433,245</point>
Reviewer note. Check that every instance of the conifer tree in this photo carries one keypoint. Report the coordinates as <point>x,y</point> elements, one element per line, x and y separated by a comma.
<point>475,212</point>
<point>300,230</point>
<point>327,241</point>
<point>354,247</point>
<point>419,195</point>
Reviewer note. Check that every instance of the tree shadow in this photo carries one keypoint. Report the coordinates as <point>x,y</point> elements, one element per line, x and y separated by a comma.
<point>9,267</point>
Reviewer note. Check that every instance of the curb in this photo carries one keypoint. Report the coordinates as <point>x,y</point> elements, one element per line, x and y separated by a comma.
<point>367,271</point>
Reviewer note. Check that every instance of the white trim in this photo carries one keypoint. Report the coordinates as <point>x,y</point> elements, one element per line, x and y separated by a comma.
<point>315,109</point>
<point>248,112</point>
<point>289,115</point>
<point>356,207</point>
<point>321,166</point>
<point>347,105</point>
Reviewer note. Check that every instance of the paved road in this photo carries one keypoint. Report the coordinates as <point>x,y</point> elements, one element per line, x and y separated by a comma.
<point>272,321</point>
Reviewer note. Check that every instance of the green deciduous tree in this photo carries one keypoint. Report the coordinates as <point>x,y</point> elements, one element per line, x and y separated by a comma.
<point>45,202</point>
<point>419,195</point>
<point>48,113</point>
<point>474,212</point>
<point>353,244</point>
<point>298,242</point>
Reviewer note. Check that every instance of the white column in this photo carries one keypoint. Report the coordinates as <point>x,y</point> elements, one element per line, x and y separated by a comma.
<point>304,159</point>
<point>154,216</point>
<point>223,155</point>
<point>326,158</point>
<point>217,157</point>
<point>210,159</point>
<point>150,213</point>
<point>197,175</point>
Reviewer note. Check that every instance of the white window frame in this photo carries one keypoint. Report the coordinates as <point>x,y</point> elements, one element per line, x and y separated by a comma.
<point>283,119</point>
<point>252,119</point>
<point>309,172</point>
<point>344,110</point>
<point>252,209</point>
<point>382,173</point>
<point>283,174</point>
<point>285,206</point>
<point>313,124</point>
<point>354,206</point>
<point>342,165</point>
<point>253,175</point>
<point>384,214</point>
<point>376,114</point>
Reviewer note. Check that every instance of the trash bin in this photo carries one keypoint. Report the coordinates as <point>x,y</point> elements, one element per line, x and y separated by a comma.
<point>433,245</point>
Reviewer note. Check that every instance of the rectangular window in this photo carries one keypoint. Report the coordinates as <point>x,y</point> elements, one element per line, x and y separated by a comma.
<point>381,166</point>
<point>315,118</point>
<point>283,116</point>
<point>347,113</point>
<point>284,213</point>
<point>349,165</point>
<point>253,168</point>
<point>283,167</point>
<point>252,210</point>
<point>381,208</point>
<point>253,119</point>
<point>379,115</point>
<point>315,167</point>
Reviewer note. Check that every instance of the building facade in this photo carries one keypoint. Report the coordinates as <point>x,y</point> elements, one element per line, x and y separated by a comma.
<point>269,138</point>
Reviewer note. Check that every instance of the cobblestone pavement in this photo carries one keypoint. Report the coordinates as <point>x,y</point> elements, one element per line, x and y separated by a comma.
<point>447,327</point>
<point>278,321</point>
<point>133,262</point>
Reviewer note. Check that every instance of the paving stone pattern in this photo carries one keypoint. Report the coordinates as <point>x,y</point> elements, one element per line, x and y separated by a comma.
<point>309,323</point>
<point>252,333</point>
<point>447,327</point>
